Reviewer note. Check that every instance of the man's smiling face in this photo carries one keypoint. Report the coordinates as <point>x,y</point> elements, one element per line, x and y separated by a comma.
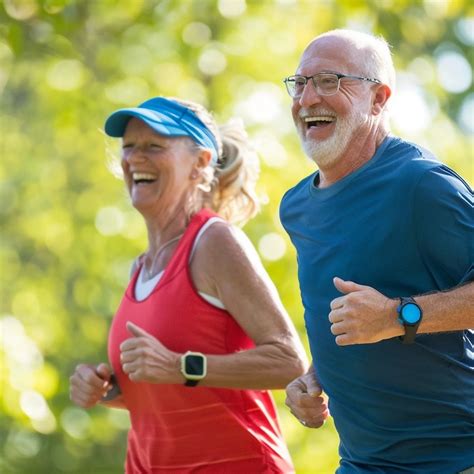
<point>327,124</point>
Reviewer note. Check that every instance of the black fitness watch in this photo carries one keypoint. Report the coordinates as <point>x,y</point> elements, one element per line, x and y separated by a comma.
<point>114,391</point>
<point>409,315</point>
<point>193,367</point>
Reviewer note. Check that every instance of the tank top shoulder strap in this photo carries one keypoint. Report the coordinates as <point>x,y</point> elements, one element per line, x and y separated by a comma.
<point>181,256</point>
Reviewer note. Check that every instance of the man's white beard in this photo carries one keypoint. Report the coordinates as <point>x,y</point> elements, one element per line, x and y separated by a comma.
<point>328,151</point>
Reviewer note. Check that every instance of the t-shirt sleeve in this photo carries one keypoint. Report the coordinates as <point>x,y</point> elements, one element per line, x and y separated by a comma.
<point>444,225</point>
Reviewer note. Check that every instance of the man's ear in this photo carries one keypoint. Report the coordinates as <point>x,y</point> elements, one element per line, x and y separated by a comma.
<point>382,94</point>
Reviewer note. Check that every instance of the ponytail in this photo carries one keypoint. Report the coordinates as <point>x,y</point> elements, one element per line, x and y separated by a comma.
<point>228,188</point>
<point>233,194</point>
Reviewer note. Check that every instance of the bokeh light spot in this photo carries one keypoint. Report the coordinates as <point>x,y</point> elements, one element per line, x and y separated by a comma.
<point>135,60</point>
<point>231,8</point>
<point>212,62</point>
<point>119,418</point>
<point>282,42</point>
<point>76,422</point>
<point>127,91</point>
<point>33,404</point>
<point>23,444</point>
<point>46,425</point>
<point>272,246</point>
<point>54,6</point>
<point>454,72</point>
<point>271,150</point>
<point>46,380</point>
<point>109,220</point>
<point>196,34</point>
<point>466,114</point>
<point>409,110</point>
<point>193,90</point>
<point>423,69</point>
<point>20,349</point>
<point>134,228</point>
<point>66,75</point>
<point>21,10</point>
<point>465,30</point>
<point>262,106</point>
<point>6,59</point>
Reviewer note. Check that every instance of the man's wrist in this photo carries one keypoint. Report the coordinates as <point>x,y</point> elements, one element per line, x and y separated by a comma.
<point>394,329</point>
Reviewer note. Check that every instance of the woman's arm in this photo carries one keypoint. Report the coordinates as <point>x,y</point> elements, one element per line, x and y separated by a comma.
<point>225,265</point>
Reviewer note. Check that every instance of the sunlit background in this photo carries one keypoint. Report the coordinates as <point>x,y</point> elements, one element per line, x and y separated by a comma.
<point>69,233</point>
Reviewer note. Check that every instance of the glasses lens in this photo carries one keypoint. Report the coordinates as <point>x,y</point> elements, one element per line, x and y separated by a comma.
<point>295,85</point>
<point>327,84</point>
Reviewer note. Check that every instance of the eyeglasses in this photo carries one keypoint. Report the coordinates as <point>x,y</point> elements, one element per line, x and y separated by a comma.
<point>324,83</point>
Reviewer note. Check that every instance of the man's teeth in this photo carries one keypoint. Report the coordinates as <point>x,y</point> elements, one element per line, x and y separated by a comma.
<point>319,118</point>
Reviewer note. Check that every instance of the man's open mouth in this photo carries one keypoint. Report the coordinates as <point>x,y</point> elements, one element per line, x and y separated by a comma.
<point>319,121</point>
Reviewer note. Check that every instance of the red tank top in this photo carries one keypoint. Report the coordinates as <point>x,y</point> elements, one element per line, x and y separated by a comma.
<point>180,429</point>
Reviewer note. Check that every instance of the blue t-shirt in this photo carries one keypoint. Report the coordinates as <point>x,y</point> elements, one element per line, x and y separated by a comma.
<point>402,223</point>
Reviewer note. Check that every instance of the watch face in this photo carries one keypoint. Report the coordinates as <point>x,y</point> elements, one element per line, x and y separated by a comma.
<point>411,313</point>
<point>194,365</point>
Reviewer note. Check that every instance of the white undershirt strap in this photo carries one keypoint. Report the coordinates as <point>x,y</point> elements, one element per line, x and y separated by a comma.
<point>144,288</point>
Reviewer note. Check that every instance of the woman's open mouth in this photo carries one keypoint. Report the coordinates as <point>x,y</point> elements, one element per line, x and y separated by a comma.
<point>143,178</point>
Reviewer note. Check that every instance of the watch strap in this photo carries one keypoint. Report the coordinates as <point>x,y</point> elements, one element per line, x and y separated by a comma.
<point>191,383</point>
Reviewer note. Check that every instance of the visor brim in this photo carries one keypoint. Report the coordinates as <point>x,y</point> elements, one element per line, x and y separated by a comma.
<point>116,123</point>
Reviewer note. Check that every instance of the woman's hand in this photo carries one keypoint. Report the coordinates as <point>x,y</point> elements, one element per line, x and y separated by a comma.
<point>145,359</point>
<point>304,399</point>
<point>88,384</point>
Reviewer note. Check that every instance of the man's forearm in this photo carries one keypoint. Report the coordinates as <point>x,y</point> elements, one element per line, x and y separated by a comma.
<point>450,310</point>
<point>363,315</point>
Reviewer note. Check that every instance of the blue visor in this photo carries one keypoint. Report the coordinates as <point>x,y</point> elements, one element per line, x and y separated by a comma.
<point>166,117</point>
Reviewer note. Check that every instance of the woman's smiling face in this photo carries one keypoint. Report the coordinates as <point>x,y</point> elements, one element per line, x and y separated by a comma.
<point>158,170</point>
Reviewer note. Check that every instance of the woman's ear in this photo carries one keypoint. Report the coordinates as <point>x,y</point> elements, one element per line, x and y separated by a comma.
<point>204,158</point>
<point>202,161</point>
<point>382,94</point>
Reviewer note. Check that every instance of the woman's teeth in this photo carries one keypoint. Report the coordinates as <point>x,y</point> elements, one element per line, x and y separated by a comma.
<point>143,178</point>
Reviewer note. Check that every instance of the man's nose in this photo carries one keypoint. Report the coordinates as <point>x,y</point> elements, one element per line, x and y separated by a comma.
<point>309,96</point>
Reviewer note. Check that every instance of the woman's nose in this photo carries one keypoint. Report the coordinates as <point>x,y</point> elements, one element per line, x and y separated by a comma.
<point>135,154</point>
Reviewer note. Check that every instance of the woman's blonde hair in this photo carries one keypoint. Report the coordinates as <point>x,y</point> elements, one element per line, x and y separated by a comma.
<point>228,188</point>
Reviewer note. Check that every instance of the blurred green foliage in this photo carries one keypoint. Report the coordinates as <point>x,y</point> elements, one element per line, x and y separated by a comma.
<point>69,233</point>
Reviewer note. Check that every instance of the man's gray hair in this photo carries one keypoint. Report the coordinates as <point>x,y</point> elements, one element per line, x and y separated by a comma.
<point>376,57</point>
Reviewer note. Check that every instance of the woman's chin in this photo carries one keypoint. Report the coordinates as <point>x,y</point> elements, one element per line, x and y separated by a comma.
<point>145,206</point>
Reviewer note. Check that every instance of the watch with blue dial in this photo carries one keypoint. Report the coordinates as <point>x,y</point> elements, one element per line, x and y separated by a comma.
<point>409,315</point>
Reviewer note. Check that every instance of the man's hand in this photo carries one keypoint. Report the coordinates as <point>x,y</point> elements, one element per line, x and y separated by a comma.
<point>303,398</point>
<point>145,359</point>
<point>88,384</point>
<point>363,315</point>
